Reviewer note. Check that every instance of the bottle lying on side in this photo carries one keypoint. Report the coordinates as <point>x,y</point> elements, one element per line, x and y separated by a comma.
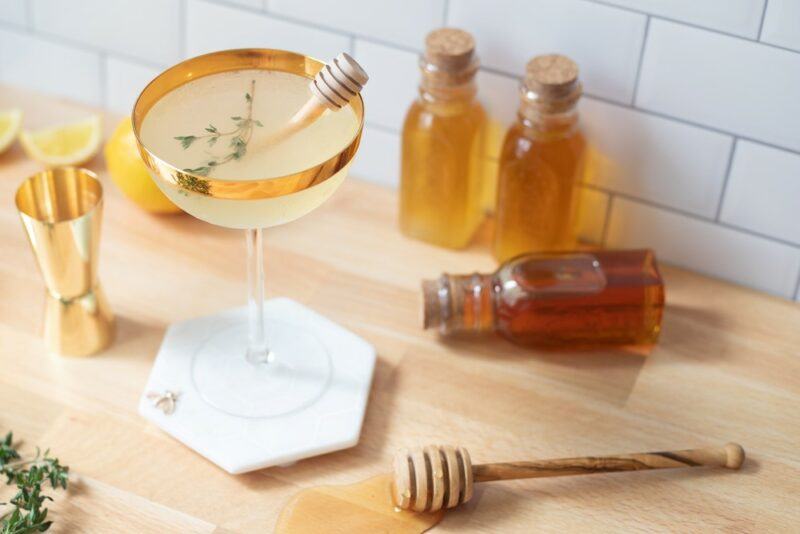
<point>559,300</point>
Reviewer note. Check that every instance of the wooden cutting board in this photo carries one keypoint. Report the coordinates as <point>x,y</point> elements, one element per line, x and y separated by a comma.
<point>727,369</point>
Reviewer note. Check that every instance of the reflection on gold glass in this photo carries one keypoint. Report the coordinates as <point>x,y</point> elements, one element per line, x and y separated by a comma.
<point>61,211</point>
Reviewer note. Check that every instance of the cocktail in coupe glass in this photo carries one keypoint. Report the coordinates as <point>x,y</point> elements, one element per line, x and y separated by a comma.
<point>205,129</point>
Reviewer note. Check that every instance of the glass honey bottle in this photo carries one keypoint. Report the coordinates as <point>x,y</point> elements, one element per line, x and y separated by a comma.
<point>541,163</point>
<point>558,300</point>
<point>442,145</point>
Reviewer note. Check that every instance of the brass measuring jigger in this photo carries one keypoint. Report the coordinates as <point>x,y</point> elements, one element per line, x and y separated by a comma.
<point>61,210</point>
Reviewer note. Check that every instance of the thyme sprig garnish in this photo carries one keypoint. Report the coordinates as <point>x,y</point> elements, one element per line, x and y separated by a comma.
<point>239,137</point>
<point>28,513</point>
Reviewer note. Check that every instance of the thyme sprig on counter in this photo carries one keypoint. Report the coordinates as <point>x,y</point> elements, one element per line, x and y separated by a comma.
<point>28,513</point>
<point>239,137</point>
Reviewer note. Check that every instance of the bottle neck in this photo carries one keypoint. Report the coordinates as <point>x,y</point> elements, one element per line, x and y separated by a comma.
<point>446,89</point>
<point>460,303</point>
<point>537,123</point>
<point>438,94</point>
<point>548,112</point>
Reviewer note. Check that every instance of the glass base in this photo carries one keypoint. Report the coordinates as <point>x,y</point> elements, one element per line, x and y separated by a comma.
<point>297,374</point>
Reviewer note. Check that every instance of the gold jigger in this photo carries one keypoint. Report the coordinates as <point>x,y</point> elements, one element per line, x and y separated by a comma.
<point>61,210</point>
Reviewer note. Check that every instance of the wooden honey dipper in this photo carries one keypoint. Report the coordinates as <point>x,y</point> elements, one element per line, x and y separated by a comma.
<point>332,88</point>
<point>441,476</point>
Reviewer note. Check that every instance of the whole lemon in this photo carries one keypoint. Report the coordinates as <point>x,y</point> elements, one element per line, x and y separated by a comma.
<point>130,174</point>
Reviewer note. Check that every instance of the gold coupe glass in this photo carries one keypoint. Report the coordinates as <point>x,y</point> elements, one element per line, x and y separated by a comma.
<point>198,133</point>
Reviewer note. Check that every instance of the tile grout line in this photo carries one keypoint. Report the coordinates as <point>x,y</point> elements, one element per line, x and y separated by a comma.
<point>690,25</point>
<point>681,120</point>
<point>653,113</point>
<point>58,39</point>
<point>694,216</point>
<point>641,62</point>
<point>353,45</point>
<point>77,45</point>
<point>763,18</point>
<point>726,178</point>
<point>102,54</point>
<point>445,12</point>
<point>310,24</point>
<point>314,25</point>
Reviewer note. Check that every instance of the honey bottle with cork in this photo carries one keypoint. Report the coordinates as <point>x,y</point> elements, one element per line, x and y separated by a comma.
<point>578,300</point>
<point>541,163</point>
<point>442,145</point>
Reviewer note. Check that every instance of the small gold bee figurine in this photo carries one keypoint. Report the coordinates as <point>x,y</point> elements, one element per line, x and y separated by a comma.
<point>164,402</point>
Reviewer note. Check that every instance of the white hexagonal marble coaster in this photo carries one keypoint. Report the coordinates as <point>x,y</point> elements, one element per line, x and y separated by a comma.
<point>240,444</point>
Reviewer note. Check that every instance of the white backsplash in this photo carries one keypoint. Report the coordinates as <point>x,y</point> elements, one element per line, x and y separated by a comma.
<point>691,106</point>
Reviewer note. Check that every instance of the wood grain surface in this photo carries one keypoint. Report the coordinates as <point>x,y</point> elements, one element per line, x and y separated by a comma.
<point>727,369</point>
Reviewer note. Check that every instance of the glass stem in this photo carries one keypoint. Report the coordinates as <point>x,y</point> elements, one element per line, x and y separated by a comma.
<point>257,351</point>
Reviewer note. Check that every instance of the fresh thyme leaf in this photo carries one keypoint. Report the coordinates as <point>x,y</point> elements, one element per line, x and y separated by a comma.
<point>186,140</point>
<point>239,138</point>
<point>28,514</point>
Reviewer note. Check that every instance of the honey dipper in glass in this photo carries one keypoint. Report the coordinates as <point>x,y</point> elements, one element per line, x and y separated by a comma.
<point>250,139</point>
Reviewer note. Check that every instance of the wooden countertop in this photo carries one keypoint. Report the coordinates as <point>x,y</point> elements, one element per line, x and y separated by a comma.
<point>727,369</point>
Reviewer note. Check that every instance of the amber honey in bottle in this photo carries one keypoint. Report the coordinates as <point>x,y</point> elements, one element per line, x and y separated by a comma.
<point>442,146</point>
<point>541,163</point>
<point>559,299</point>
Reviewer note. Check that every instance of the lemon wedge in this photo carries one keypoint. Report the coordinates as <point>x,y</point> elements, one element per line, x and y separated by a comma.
<point>9,127</point>
<point>66,144</point>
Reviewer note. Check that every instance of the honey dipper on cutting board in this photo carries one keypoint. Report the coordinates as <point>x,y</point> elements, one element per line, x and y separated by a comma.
<point>430,478</point>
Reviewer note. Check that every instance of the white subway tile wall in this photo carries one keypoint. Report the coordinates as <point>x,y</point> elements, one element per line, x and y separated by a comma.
<point>691,106</point>
<point>500,96</point>
<point>728,83</point>
<point>403,22</point>
<point>763,193</point>
<point>143,29</point>
<point>50,67</point>
<point>656,159</point>
<point>254,4</point>
<point>378,157</point>
<point>782,24</point>
<point>14,12</point>
<point>739,17</point>
<point>392,80</point>
<point>124,81</point>
<point>705,247</point>
<point>211,26</point>
<point>605,41</point>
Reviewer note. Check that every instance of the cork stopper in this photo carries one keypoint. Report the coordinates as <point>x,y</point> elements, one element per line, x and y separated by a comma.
<point>552,81</point>
<point>450,49</point>
<point>338,82</point>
